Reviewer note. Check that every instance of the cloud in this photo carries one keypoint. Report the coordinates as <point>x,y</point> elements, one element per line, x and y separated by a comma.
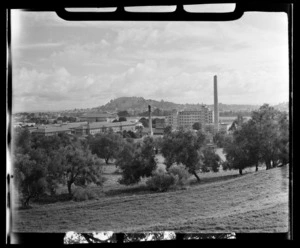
<point>85,64</point>
<point>43,45</point>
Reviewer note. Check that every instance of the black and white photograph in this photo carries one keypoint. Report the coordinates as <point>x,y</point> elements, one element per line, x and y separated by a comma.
<point>148,127</point>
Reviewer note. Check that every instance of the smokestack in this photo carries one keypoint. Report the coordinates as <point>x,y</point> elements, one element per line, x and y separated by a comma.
<point>150,121</point>
<point>216,104</point>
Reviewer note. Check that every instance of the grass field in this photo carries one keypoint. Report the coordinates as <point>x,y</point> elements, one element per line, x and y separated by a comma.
<point>225,201</point>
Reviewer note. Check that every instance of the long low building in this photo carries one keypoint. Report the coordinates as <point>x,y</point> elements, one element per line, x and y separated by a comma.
<point>98,117</point>
<point>50,131</point>
<point>86,128</point>
<point>101,127</point>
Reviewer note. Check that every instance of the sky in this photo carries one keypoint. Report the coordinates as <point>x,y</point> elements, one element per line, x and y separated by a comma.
<point>59,65</point>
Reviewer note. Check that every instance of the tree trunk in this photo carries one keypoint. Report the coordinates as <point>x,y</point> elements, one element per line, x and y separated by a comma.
<point>275,163</point>
<point>241,171</point>
<point>268,165</point>
<point>106,160</point>
<point>69,183</point>
<point>26,202</point>
<point>195,174</point>
<point>256,167</point>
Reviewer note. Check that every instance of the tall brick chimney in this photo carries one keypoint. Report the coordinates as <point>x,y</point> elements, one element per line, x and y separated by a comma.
<point>150,121</point>
<point>216,104</point>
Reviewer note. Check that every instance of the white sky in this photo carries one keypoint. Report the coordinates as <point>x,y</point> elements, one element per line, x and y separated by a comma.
<point>60,65</point>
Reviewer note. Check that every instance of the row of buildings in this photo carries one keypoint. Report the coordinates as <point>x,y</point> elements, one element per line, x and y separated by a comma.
<point>93,123</point>
<point>187,118</point>
<point>85,128</point>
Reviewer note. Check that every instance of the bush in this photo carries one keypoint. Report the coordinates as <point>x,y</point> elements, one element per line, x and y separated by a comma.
<point>161,181</point>
<point>226,166</point>
<point>180,172</point>
<point>83,194</point>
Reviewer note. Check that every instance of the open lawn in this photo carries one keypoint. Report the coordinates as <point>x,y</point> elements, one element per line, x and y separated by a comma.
<point>254,202</point>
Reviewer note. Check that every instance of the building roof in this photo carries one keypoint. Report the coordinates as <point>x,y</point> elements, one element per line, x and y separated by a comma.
<point>51,129</point>
<point>102,124</point>
<point>74,124</point>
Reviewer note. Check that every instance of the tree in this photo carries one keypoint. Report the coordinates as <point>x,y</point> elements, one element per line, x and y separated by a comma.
<point>263,139</point>
<point>236,123</point>
<point>220,139</point>
<point>136,160</point>
<point>167,130</point>
<point>122,118</point>
<point>197,126</point>
<point>211,160</point>
<point>81,166</point>
<point>242,151</point>
<point>283,143</point>
<point>123,114</point>
<point>22,140</point>
<point>184,147</point>
<point>106,145</point>
<point>271,129</point>
<point>50,143</point>
<point>144,121</point>
<point>30,177</point>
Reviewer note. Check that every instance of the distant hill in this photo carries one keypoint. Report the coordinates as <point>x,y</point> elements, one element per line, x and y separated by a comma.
<point>136,105</point>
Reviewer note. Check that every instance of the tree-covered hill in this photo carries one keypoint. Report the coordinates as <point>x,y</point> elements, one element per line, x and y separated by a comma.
<point>137,105</point>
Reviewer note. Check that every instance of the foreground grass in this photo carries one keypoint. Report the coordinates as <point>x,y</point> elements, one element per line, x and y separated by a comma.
<point>254,202</point>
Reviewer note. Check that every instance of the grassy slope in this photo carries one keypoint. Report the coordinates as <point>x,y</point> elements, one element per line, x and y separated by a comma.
<point>255,202</point>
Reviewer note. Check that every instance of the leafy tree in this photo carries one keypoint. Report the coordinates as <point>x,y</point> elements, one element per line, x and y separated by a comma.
<point>30,177</point>
<point>263,139</point>
<point>271,129</point>
<point>211,161</point>
<point>129,134</point>
<point>180,172</point>
<point>220,139</point>
<point>123,114</point>
<point>122,118</point>
<point>144,121</point>
<point>184,147</point>
<point>167,130</point>
<point>161,181</point>
<point>283,143</point>
<point>22,140</point>
<point>236,123</point>
<point>157,112</point>
<point>81,166</point>
<point>50,143</point>
<point>136,160</point>
<point>242,151</point>
<point>106,145</point>
<point>197,126</point>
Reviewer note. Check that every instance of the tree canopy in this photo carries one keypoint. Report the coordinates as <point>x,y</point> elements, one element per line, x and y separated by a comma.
<point>136,160</point>
<point>106,145</point>
<point>184,147</point>
<point>41,163</point>
<point>197,126</point>
<point>263,139</point>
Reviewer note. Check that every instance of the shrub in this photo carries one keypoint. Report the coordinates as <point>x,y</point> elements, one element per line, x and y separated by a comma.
<point>226,166</point>
<point>83,194</point>
<point>161,181</point>
<point>180,172</point>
